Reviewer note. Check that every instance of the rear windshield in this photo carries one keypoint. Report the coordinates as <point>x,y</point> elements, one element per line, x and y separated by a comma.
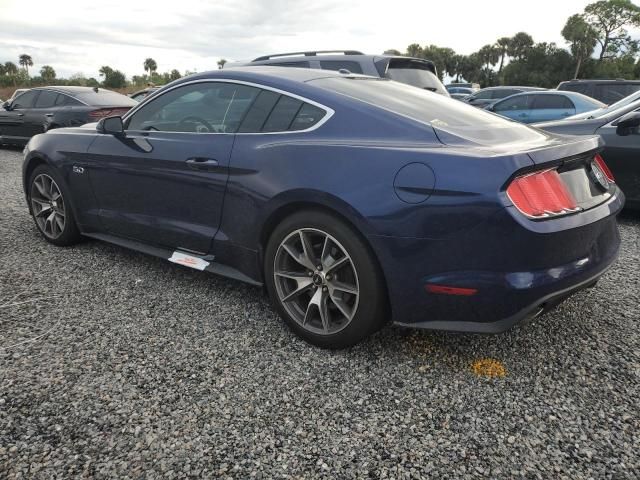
<point>416,75</point>
<point>423,106</point>
<point>105,98</point>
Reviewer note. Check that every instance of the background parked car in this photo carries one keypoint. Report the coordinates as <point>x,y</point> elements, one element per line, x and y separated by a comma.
<point>621,135</point>
<point>142,94</point>
<point>489,95</point>
<point>543,106</point>
<point>416,72</point>
<point>41,109</point>
<point>607,91</point>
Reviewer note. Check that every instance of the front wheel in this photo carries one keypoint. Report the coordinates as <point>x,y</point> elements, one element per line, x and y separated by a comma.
<point>50,207</point>
<point>324,280</point>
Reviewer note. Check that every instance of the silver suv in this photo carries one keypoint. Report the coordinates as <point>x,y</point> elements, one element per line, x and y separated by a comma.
<point>412,71</point>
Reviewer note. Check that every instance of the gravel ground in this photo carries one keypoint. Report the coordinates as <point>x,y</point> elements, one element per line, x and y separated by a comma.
<point>116,364</point>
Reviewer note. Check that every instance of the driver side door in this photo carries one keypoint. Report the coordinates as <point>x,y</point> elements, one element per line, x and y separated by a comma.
<point>163,181</point>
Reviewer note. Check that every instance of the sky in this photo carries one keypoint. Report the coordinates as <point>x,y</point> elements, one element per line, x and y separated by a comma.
<point>80,36</point>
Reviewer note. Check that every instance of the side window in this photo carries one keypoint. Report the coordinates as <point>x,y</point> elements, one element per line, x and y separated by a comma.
<point>289,64</point>
<point>576,87</point>
<point>486,95</point>
<point>353,67</point>
<point>273,112</point>
<point>282,114</point>
<point>46,99</point>
<point>521,102</point>
<point>504,93</point>
<point>26,100</point>
<point>556,102</point>
<point>207,107</point>
<point>259,112</point>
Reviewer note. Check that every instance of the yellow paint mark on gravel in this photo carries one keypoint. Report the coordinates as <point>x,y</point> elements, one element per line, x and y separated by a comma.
<point>488,367</point>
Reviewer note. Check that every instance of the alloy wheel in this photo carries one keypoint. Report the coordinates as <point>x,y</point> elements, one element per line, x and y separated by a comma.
<point>316,281</point>
<point>48,206</point>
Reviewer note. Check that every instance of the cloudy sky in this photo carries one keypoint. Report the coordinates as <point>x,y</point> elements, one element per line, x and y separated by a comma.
<point>80,36</point>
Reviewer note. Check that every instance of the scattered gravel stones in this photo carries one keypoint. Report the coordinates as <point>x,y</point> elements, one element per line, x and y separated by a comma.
<point>120,365</point>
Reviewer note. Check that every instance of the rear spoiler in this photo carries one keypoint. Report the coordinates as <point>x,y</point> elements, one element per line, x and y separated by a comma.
<point>383,63</point>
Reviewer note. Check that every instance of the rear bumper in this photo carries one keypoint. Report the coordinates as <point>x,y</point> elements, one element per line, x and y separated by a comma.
<point>539,306</point>
<point>516,270</point>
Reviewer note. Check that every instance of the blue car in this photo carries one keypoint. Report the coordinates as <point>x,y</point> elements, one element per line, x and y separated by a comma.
<point>354,200</point>
<point>543,106</point>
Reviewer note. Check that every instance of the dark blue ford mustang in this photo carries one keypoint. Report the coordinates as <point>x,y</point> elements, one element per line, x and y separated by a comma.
<point>355,200</point>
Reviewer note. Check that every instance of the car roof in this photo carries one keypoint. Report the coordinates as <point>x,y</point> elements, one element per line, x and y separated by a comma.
<point>267,73</point>
<point>70,90</point>
<point>600,80</point>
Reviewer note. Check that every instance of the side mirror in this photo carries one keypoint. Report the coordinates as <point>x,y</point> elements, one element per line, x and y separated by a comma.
<point>627,124</point>
<point>111,126</point>
<point>6,105</point>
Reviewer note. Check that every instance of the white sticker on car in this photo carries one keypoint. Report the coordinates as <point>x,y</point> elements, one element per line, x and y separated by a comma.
<point>189,261</point>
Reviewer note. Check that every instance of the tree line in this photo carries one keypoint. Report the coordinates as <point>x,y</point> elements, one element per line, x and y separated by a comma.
<point>519,60</point>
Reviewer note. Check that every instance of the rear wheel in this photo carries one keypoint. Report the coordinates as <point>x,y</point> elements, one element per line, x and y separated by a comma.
<point>324,281</point>
<point>50,208</point>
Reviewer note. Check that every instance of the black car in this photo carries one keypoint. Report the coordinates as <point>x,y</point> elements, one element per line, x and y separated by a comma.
<point>489,95</point>
<point>40,109</point>
<point>607,91</point>
<point>619,128</point>
<point>416,72</point>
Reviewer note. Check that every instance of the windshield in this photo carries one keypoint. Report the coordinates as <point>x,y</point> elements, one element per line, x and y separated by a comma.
<point>443,114</point>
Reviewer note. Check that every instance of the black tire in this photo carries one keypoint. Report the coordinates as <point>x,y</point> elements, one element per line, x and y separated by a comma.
<point>69,234</point>
<point>370,312</point>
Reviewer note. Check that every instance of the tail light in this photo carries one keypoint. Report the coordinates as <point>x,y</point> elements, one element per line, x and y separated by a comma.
<point>604,167</point>
<point>107,112</point>
<point>541,194</point>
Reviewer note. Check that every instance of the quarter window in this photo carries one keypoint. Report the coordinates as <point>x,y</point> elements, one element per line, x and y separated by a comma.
<point>282,114</point>
<point>207,107</point>
<point>273,112</point>
<point>65,101</point>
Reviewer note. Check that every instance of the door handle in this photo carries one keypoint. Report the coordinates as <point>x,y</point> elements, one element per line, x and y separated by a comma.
<point>48,114</point>
<point>21,115</point>
<point>201,163</point>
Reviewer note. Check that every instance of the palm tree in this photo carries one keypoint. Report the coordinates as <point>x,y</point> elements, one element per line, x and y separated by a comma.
<point>150,65</point>
<point>502,45</point>
<point>221,63</point>
<point>47,73</point>
<point>11,69</point>
<point>25,61</point>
